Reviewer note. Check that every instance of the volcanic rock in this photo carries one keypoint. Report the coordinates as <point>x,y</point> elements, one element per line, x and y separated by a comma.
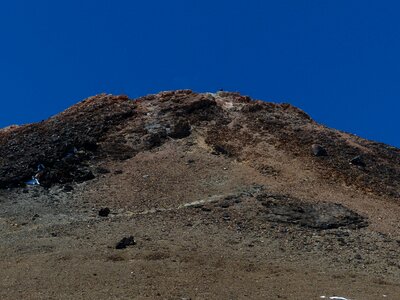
<point>104,212</point>
<point>125,242</point>
<point>358,161</point>
<point>180,130</point>
<point>314,215</point>
<point>318,150</point>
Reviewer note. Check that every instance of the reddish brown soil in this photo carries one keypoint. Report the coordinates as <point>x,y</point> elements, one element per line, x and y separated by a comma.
<point>222,194</point>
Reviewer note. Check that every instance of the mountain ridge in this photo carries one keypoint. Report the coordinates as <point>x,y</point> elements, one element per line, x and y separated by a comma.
<point>184,195</point>
<point>225,115</point>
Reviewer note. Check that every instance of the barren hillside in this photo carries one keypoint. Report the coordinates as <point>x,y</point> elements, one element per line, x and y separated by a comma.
<point>225,198</point>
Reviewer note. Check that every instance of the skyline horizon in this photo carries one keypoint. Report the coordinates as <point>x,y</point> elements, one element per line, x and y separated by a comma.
<point>200,92</point>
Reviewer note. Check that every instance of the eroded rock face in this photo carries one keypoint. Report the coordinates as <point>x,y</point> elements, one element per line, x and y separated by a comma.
<point>320,216</point>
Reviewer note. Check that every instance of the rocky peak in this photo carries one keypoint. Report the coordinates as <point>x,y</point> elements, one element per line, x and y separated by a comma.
<point>105,127</point>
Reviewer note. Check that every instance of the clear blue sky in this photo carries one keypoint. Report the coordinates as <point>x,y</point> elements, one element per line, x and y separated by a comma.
<point>339,60</point>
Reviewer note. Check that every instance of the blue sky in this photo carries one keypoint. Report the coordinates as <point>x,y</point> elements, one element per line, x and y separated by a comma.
<point>337,60</point>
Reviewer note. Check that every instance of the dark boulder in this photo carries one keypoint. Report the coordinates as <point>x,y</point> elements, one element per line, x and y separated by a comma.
<point>318,150</point>
<point>358,161</point>
<point>125,242</point>
<point>104,212</point>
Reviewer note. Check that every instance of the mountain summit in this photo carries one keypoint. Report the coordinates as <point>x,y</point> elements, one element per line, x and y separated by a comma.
<point>184,195</point>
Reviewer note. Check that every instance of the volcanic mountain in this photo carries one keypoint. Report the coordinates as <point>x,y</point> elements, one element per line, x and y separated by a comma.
<point>184,195</point>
